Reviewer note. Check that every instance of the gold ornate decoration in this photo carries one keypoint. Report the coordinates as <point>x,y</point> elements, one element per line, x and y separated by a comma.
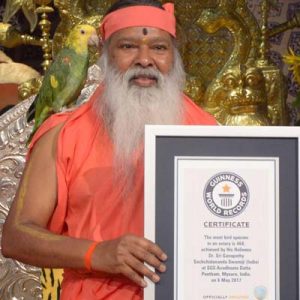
<point>242,96</point>
<point>233,20</point>
<point>203,54</point>
<point>263,58</point>
<point>250,22</point>
<point>293,23</point>
<point>275,83</point>
<point>11,37</point>
<point>212,20</point>
<point>28,7</point>
<point>45,26</point>
<point>29,88</point>
<point>71,13</point>
<point>75,12</point>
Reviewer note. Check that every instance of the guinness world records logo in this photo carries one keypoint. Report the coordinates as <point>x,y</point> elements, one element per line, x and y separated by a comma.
<point>226,194</point>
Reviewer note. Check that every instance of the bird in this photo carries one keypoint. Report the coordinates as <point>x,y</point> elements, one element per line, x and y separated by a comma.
<point>63,81</point>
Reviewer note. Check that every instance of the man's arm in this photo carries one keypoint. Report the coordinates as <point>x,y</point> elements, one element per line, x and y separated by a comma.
<point>26,238</point>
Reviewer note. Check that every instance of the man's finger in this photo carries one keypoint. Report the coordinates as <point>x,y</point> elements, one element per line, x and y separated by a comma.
<point>148,258</point>
<point>152,248</point>
<point>140,268</point>
<point>134,276</point>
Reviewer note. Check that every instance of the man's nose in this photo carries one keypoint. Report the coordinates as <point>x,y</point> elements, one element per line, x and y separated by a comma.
<point>144,58</point>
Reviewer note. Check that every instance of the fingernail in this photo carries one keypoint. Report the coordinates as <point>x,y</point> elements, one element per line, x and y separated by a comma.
<point>155,278</point>
<point>164,257</point>
<point>162,268</point>
<point>144,283</point>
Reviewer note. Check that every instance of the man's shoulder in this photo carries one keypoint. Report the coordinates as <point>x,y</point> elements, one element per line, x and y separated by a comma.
<point>74,121</point>
<point>62,118</point>
<point>196,115</point>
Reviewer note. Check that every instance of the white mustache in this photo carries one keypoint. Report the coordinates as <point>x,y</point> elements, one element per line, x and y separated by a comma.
<point>136,72</point>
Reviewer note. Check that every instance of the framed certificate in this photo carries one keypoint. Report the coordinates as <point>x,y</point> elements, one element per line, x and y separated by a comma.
<point>223,204</point>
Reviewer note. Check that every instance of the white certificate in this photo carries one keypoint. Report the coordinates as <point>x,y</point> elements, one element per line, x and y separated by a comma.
<point>226,228</point>
<point>223,203</point>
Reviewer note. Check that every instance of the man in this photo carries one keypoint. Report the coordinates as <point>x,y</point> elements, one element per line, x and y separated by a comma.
<point>80,202</point>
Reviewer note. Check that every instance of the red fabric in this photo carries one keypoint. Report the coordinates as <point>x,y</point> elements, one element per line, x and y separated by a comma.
<point>137,16</point>
<point>90,201</point>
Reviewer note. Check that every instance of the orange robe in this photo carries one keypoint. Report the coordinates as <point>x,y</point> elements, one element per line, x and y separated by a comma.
<point>90,201</point>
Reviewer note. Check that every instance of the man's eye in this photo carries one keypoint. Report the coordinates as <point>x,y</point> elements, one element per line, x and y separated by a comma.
<point>160,47</point>
<point>127,46</point>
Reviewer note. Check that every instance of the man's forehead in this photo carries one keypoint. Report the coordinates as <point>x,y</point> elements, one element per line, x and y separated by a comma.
<point>141,32</point>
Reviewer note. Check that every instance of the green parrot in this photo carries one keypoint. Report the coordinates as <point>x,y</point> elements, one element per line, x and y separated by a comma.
<point>65,78</point>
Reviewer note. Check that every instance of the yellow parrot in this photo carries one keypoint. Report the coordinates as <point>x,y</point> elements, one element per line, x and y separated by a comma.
<point>66,76</point>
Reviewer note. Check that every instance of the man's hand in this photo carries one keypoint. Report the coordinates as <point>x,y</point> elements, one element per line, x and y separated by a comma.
<point>127,255</point>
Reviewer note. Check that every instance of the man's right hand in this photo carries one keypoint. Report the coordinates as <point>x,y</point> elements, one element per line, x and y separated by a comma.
<point>129,256</point>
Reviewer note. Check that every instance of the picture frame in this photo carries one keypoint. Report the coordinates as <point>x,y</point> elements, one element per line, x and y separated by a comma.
<point>275,151</point>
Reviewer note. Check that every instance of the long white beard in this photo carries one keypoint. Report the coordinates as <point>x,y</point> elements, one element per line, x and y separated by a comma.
<point>127,108</point>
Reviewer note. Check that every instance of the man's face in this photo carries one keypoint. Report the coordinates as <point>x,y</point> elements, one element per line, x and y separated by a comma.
<point>143,47</point>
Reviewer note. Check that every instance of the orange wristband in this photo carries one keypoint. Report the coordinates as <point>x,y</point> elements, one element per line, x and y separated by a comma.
<point>88,255</point>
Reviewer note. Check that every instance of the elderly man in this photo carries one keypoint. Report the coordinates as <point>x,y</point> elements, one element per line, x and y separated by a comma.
<point>80,202</point>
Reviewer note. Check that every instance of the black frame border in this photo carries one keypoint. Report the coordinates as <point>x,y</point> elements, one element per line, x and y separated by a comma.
<point>286,148</point>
